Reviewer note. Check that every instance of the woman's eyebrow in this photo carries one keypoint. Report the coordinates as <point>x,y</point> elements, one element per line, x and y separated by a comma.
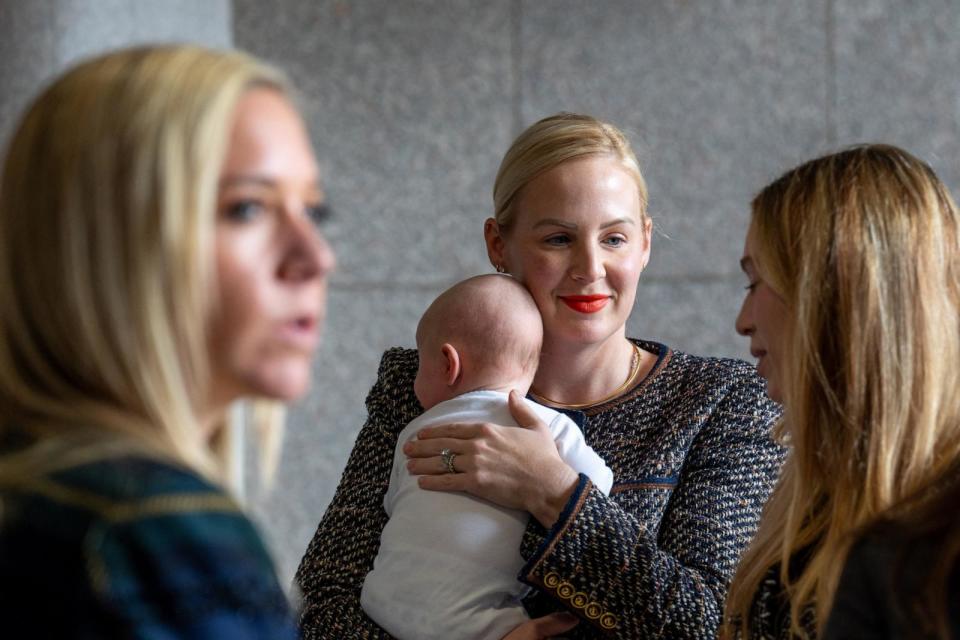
<point>746,264</point>
<point>240,179</point>
<point>570,225</point>
<point>263,181</point>
<point>554,222</point>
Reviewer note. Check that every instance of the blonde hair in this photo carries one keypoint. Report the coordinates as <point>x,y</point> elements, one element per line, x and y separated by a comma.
<point>862,246</point>
<point>492,317</point>
<point>551,141</point>
<point>107,207</point>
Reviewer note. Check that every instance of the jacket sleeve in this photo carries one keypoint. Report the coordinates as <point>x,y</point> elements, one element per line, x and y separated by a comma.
<point>341,553</point>
<point>600,562</point>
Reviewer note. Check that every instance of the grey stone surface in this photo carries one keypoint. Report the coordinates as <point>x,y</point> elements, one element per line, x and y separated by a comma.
<point>90,26</point>
<point>896,78</point>
<point>410,110</point>
<point>719,97</point>
<point>692,316</point>
<point>40,38</point>
<point>28,54</point>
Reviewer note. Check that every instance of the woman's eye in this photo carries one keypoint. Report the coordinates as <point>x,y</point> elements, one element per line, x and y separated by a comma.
<point>319,213</point>
<point>244,210</point>
<point>558,241</point>
<point>752,285</point>
<point>615,241</point>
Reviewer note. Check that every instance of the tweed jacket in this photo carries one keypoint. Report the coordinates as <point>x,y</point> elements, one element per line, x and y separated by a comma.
<point>770,617</point>
<point>693,464</point>
<point>131,547</point>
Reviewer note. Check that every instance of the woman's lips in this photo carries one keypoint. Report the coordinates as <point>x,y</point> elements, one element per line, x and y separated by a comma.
<point>586,304</point>
<point>301,333</point>
<point>759,355</point>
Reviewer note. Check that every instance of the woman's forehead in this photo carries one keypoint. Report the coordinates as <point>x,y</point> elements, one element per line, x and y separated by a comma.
<point>590,190</point>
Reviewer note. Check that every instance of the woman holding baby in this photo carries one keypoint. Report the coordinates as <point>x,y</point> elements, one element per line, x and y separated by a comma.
<point>688,438</point>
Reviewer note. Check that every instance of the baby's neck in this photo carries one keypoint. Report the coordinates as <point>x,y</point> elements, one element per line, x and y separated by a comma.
<point>493,383</point>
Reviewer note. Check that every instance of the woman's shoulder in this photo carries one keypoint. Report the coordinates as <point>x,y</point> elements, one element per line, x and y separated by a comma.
<point>398,361</point>
<point>110,480</point>
<point>134,494</point>
<point>907,543</point>
<point>724,394</point>
<point>705,374</point>
<point>899,568</point>
<point>693,364</point>
<point>134,507</point>
<point>392,402</point>
<point>128,478</point>
<point>123,526</point>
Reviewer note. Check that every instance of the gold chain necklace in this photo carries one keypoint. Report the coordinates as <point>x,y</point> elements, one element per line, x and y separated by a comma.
<point>631,378</point>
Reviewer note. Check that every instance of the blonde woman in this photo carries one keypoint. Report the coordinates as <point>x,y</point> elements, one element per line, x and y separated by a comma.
<point>158,262</point>
<point>688,438</point>
<point>853,263</point>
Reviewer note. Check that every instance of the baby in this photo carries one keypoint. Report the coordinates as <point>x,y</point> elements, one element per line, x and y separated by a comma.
<point>448,562</point>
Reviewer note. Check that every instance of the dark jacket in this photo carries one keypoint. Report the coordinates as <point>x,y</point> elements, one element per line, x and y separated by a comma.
<point>133,548</point>
<point>876,599</point>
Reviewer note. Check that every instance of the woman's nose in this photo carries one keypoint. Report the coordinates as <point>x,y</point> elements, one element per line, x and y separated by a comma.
<point>588,265</point>
<point>308,255</point>
<point>744,322</point>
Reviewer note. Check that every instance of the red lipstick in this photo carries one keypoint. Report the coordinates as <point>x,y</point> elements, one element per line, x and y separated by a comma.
<point>586,304</point>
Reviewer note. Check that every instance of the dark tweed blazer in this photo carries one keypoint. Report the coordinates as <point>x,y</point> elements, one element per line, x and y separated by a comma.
<point>693,463</point>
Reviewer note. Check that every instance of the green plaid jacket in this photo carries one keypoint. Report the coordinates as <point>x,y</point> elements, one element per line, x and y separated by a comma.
<point>133,548</point>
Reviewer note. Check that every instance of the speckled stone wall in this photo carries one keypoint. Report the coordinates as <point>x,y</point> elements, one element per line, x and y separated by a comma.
<point>412,104</point>
<point>39,38</point>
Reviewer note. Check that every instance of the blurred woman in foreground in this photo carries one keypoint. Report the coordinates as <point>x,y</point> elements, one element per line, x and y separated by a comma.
<point>158,262</point>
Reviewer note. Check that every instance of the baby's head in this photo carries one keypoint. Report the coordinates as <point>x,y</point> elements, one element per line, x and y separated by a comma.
<point>482,333</point>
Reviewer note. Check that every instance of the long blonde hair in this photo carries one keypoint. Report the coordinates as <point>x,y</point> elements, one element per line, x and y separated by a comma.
<point>107,206</point>
<point>862,246</point>
<point>551,141</point>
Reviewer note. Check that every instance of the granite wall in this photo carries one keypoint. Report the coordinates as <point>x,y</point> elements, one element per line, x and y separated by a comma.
<point>40,38</point>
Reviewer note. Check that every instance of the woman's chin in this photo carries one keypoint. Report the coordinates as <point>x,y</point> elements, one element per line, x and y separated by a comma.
<point>773,392</point>
<point>284,384</point>
<point>583,333</point>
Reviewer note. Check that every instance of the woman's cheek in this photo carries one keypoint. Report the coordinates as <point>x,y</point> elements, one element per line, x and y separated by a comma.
<point>546,268</point>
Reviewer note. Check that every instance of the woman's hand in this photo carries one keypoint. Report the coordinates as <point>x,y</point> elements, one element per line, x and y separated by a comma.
<point>545,627</point>
<point>514,467</point>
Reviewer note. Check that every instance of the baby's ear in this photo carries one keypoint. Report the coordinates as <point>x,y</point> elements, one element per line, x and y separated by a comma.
<point>452,356</point>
